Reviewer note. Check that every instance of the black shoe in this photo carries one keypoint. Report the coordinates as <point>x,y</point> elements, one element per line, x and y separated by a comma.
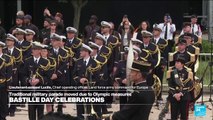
<point>12,114</point>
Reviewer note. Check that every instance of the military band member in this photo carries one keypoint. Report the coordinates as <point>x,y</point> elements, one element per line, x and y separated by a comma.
<point>189,58</point>
<point>29,35</point>
<point>180,81</point>
<point>51,70</point>
<point>6,64</point>
<point>86,72</point>
<point>111,42</point>
<point>103,50</point>
<point>139,104</point>
<point>73,42</point>
<point>61,57</point>
<point>162,45</point>
<point>36,74</point>
<point>152,48</point>
<point>22,44</point>
<point>16,56</point>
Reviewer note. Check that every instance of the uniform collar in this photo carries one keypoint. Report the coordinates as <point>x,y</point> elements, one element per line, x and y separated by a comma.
<point>34,58</point>
<point>87,60</point>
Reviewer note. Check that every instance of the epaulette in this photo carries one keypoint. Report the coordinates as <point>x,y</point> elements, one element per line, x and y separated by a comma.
<point>171,56</point>
<point>71,53</point>
<point>199,41</point>
<point>192,57</point>
<point>190,76</point>
<point>197,50</point>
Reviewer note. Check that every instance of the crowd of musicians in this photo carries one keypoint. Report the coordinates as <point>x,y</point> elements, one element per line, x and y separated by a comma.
<point>56,56</point>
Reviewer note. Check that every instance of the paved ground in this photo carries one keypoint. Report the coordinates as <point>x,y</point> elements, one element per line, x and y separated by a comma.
<point>70,109</point>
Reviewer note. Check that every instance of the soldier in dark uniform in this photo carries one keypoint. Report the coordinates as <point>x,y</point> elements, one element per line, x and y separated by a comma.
<point>30,35</point>
<point>162,45</point>
<point>180,81</point>
<point>189,58</point>
<point>151,47</point>
<point>86,72</point>
<point>16,56</point>
<point>36,74</point>
<point>70,65</point>
<point>22,44</point>
<point>103,50</point>
<point>73,42</point>
<point>6,77</point>
<point>111,42</point>
<point>139,105</point>
<point>51,70</point>
<point>61,57</point>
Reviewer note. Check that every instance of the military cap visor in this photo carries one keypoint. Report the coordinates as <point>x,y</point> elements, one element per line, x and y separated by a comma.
<point>2,44</point>
<point>55,36</point>
<point>85,47</point>
<point>71,30</point>
<point>10,37</point>
<point>181,41</point>
<point>37,45</point>
<point>93,45</point>
<point>146,34</point>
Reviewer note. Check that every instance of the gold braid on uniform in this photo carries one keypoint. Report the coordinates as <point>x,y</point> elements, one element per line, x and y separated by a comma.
<point>107,54</point>
<point>192,60</point>
<point>163,46</point>
<point>113,45</point>
<point>77,45</point>
<point>63,59</point>
<point>19,58</point>
<point>71,53</point>
<point>10,62</point>
<point>25,48</point>
<point>96,68</point>
<point>53,64</point>
<point>47,67</point>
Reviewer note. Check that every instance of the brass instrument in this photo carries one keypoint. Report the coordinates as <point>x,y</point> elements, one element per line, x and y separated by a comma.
<point>89,83</point>
<point>157,85</point>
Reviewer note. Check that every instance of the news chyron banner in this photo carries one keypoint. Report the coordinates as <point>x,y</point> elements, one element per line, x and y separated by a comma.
<point>66,94</point>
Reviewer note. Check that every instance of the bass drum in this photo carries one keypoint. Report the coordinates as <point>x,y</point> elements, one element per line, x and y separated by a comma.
<point>197,88</point>
<point>157,85</point>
